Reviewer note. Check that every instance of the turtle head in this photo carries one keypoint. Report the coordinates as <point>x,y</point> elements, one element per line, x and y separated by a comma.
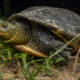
<point>7,29</point>
<point>14,32</point>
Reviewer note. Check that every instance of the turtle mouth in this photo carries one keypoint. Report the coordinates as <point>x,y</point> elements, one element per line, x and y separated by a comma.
<point>2,33</point>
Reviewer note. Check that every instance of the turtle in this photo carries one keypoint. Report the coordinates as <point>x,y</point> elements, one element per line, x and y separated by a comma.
<point>40,30</point>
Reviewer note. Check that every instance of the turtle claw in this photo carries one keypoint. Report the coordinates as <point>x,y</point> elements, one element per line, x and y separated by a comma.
<point>58,56</point>
<point>65,54</point>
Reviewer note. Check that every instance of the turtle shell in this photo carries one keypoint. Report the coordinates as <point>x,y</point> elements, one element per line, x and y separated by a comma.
<point>62,22</point>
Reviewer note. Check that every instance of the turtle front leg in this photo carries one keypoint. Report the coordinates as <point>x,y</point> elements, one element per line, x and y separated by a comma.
<point>28,50</point>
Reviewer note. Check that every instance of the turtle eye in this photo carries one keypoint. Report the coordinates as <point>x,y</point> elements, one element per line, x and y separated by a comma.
<point>4,25</point>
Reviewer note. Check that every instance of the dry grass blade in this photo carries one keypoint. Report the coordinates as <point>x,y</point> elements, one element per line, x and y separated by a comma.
<point>76,59</point>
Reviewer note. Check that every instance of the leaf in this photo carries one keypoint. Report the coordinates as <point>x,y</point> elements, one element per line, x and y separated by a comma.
<point>58,60</point>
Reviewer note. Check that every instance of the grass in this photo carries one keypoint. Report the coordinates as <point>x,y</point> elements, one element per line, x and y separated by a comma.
<point>8,54</point>
<point>2,17</point>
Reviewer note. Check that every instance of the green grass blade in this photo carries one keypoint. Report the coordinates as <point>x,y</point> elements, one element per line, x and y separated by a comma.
<point>23,57</point>
<point>20,68</point>
<point>33,61</point>
<point>9,52</point>
<point>50,68</point>
<point>10,78</point>
<point>0,75</point>
<point>78,78</point>
<point>63,47</point>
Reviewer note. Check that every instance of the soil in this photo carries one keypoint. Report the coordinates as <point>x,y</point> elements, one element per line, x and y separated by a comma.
<point>66,72</point>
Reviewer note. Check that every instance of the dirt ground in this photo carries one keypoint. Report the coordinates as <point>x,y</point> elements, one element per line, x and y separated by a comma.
<point>66,72</point>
